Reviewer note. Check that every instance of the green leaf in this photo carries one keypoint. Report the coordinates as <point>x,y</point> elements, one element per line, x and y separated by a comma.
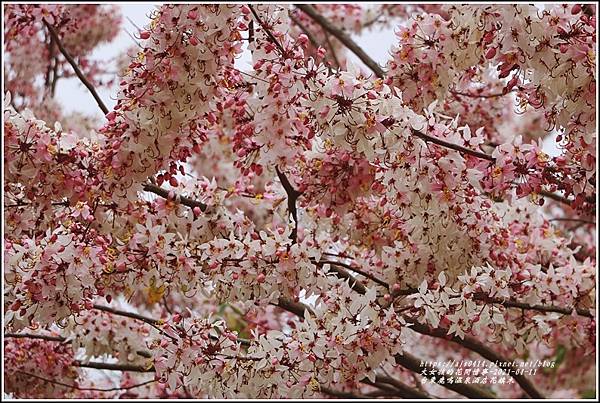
<point>561,352</point>
<point>589,394</point>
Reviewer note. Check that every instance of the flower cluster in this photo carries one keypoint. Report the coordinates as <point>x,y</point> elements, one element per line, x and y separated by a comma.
<point>299,227</point>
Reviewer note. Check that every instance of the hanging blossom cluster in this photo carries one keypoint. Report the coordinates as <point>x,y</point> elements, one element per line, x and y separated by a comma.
<point>30,362</point>
<point>546,57</point>
<point>165,100</point>
<point>300,227</point>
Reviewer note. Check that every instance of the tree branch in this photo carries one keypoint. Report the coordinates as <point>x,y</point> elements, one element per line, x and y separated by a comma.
<point>186,201</point>
<point>268,31</point>
<point>75,67</point>
<point>152,322</point>
<point>340,394</point>
<point>413,363</point>
<point>342,37</point>
<point>455,147</point>
<point>59,339</point>
<point>292,197</point>
<point>114,367</point>
<point>407,391</point>
<point>86,388</point>
<point>481,349</point>
<point>359,271</point>
<point>541,308</point>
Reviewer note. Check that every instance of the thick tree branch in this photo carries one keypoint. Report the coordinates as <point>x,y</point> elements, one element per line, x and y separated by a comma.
<point>340,394</point>
<point>413,363</point>
<point>75,67</point>
<point>342,37</point>
<point>481,349</point>
<point>164,193</point>
<point>297,308</point>
<point>59,339</point>
<point>407,391</point>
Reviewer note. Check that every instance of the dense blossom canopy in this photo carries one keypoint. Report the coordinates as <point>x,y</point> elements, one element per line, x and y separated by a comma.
<point>310,226</point>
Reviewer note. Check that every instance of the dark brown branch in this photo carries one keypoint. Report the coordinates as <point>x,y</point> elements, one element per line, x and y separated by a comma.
<point>407,391</point>
<point>340,394</point>
<point>455,147</point>
<point>268,31</point>
<point>75,67</point>
<point>540,308</point>
<point>152,322</point>
<point>87,388</point>
<point>383,389</point>
<point>556,197</point>
<point>413,364</point>
<point>114,367</point>
<point>186,201</point>
<point>359,271</point>
<point>494,95</point>
<point>297,308</point>
<point>341,273</point>
<point>292,197</point>
<point>309,34</point>
<point>481,349</point>
<point>342,37</point>
<point>580,220</point>
<point>59,339</point>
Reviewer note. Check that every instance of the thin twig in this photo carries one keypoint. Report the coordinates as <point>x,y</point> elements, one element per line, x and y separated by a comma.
<point>268,31</point>
<point>540,308</point>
